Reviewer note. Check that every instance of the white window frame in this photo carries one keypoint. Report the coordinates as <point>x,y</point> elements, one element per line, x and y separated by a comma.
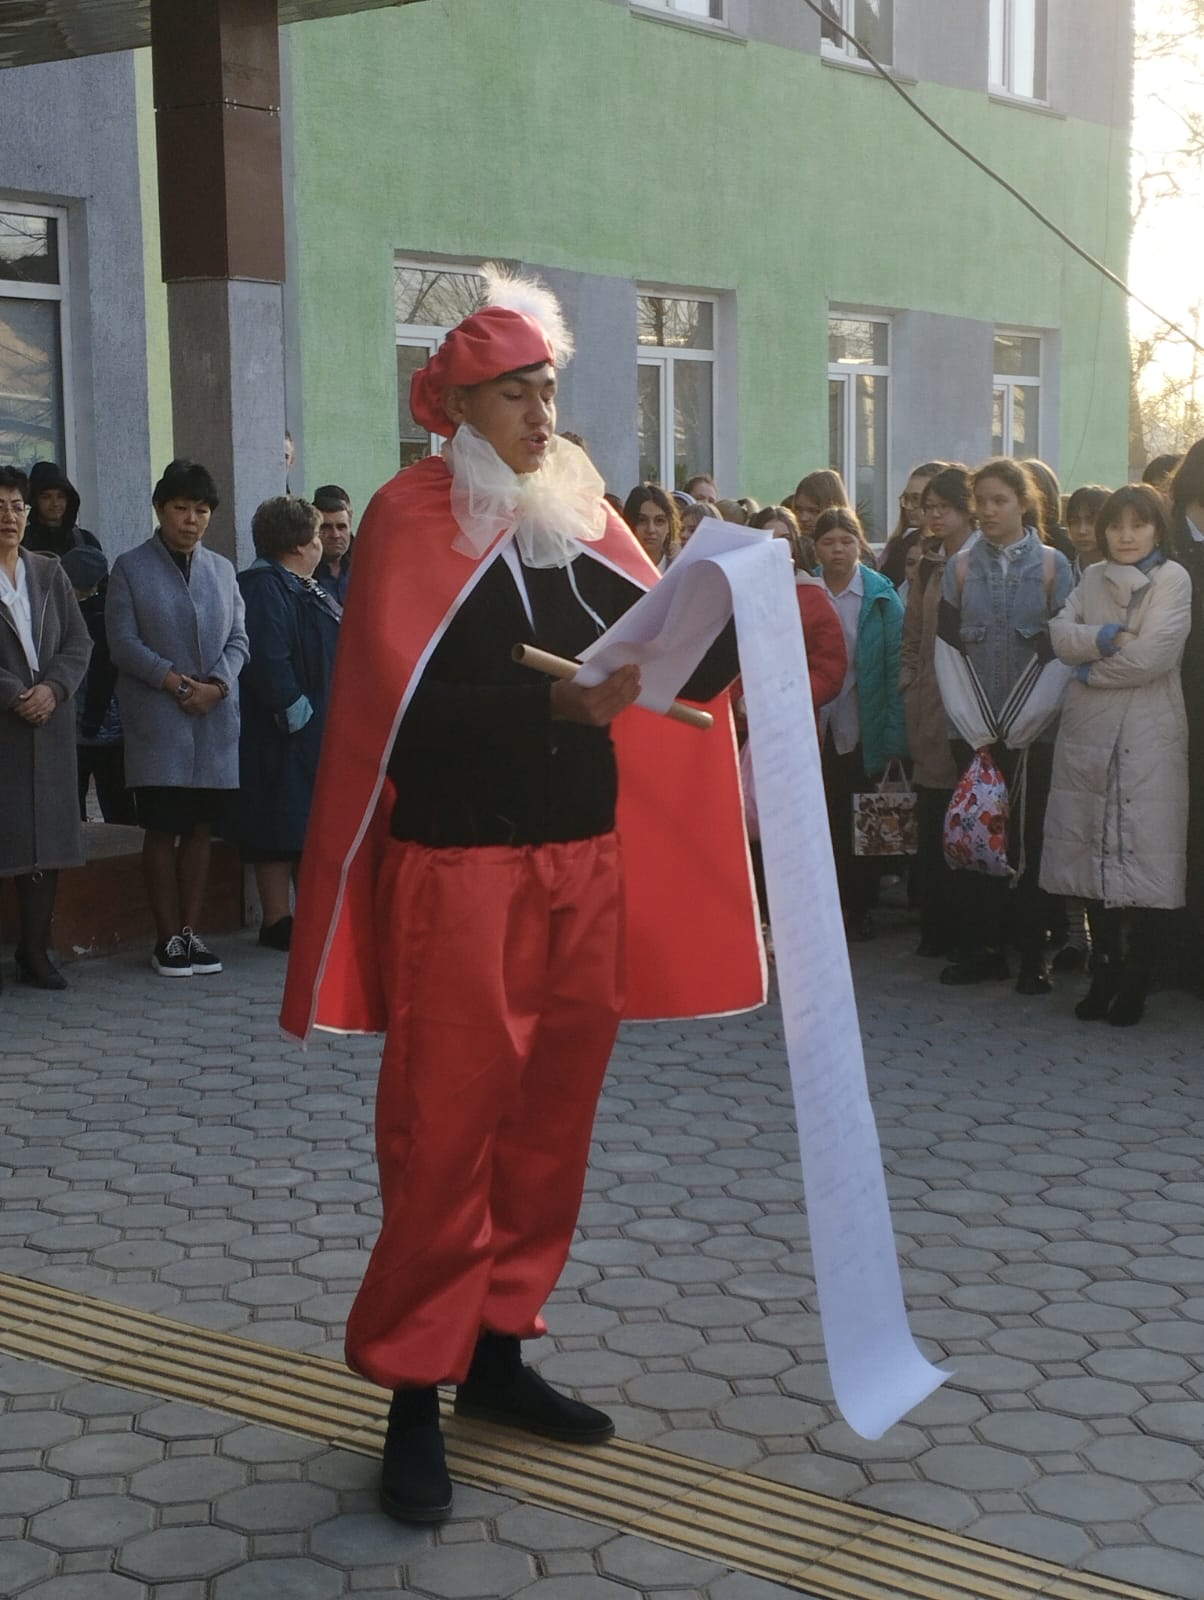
<point>428,336</point>
<point>664,357</point>
<point>59,292</point>
<point>843,50</point>
<point>846,373</point>
<point>1003,24</point>
<point>1009,382</point>
<point>716,12</point>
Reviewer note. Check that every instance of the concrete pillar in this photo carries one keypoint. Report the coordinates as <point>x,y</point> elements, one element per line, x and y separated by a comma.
<point>217,102</point>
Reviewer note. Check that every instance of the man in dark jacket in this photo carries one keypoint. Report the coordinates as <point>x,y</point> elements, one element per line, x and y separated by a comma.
<point>334,569</point>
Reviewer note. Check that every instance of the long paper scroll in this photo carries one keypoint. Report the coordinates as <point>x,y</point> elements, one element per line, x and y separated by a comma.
<point>878,1374</point>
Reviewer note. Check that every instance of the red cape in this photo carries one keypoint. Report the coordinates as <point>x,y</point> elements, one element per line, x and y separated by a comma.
<point>693,941</point>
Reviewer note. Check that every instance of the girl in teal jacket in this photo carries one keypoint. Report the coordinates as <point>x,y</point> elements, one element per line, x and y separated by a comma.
<point>864,727</point>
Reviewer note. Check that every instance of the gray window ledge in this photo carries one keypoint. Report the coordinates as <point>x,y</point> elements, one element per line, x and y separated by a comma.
<point>843,63</point>
<point>1020,102</point>
<point>675,19</point>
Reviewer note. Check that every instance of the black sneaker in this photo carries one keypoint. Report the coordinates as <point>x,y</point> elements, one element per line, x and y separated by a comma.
<point>171,959</point>
<point>200,957</point>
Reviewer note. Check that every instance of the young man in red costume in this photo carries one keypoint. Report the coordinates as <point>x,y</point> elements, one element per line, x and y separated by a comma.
<point>465,891</point>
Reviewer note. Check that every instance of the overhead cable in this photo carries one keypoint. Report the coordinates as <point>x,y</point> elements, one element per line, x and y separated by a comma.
<point>1046,221</point>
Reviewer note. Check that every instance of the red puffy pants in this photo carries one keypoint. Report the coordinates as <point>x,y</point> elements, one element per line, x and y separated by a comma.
<point>502,967</point>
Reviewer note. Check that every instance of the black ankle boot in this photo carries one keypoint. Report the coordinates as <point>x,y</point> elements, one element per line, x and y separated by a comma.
<point>414,1485</point>
<point>500,1389</point>
<point>1129,1005</point>
<point>1105,979</point>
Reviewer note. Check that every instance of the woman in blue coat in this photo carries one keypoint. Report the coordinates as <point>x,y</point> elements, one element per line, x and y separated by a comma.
<point>293,627</point>
<point>864,727</point>
<point>173,615</point>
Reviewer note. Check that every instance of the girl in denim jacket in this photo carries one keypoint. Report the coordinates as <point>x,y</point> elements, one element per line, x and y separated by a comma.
<point>997,600</point>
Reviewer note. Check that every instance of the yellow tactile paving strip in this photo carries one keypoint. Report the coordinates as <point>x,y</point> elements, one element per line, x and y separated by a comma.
<point>832,1550</point>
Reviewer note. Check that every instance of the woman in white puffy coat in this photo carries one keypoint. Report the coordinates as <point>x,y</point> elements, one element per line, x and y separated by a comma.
<point>1116,827</point>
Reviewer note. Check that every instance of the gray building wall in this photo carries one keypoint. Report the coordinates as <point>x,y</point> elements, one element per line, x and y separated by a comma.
<point>68,137</point>
<point>947,42</point>
<point>941,370</point>
<point>598,388</point>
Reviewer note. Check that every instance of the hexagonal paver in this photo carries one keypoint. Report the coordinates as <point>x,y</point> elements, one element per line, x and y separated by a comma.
<point>1088,1397</point>
<point>370,1539</point>
<point>87,1586</point>
<point>23,1493</point>
<point>22,1563</point>
<point>742,1586</point>
<point>463,1572</point>
<point>104,1400</point>
<point>679,1391</point>
<point>742,1359</point>
<point>533,1528</point>
<point>1034,1432</point>
<point>92,1523</point>
<point>1180,1527</point>
<point>175,1554</point>
<point>1089,1497</point>
<point>289,1578</point>
<point>36,1430</point>
<point>175,1420</point>
<point>1175,1419</point>
<point>186,1479</point>
<point>654,1566</point>
<point>104,1454</point>
<point>1045,1537</point>
<point>275,1507</point>
<point>1143,1459</point>
<point>267,1444</point>
<point>766,1415</point>
<point>976,1467</point>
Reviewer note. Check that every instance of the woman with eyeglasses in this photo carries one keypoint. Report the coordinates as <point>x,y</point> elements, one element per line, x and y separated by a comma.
<point>910,529</point>
<point>44,650</point>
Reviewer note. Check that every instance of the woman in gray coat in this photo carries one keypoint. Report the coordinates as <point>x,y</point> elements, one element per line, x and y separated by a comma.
<point>174,617</point>
<point>44,650</point>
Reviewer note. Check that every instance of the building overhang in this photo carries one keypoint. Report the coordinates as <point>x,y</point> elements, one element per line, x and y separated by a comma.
<point>58,30</point>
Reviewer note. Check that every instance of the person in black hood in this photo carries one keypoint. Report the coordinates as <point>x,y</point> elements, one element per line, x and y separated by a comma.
<point>54,510</point>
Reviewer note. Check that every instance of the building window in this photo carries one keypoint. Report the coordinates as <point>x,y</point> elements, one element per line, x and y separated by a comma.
<point>34,391</point>
<point>1018,47</point>
<point>858,414</point>
<point>1016,408</point>
<point>429,302</point>
<point>704,10</point>
<point>869,21</point>
<point>676,378</point>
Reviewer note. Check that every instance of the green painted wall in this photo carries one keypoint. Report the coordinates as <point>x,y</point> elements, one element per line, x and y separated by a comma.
<point>580,135</point>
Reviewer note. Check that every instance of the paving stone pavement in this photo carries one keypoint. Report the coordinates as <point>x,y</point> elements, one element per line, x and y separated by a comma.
<point>163,1147</point>
<point>108,1494</point>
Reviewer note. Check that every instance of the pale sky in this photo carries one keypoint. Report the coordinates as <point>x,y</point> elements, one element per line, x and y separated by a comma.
<point>1167,261</point>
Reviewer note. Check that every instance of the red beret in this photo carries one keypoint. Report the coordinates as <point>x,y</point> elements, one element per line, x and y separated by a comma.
<point>487,344</point>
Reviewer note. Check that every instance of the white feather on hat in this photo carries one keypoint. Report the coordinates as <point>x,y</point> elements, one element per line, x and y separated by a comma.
<point>513,292</point>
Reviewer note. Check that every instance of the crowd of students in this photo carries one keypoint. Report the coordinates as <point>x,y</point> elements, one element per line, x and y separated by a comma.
<point>1064,638</point>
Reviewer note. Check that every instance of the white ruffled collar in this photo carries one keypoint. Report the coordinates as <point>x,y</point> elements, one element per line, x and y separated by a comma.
<point>548,511</point>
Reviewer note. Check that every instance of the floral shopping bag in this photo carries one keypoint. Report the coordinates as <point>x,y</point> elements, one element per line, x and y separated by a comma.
<point>976,823</point>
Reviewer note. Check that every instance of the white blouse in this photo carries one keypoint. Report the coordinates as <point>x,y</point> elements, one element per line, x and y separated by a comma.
<point>16,598</point>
